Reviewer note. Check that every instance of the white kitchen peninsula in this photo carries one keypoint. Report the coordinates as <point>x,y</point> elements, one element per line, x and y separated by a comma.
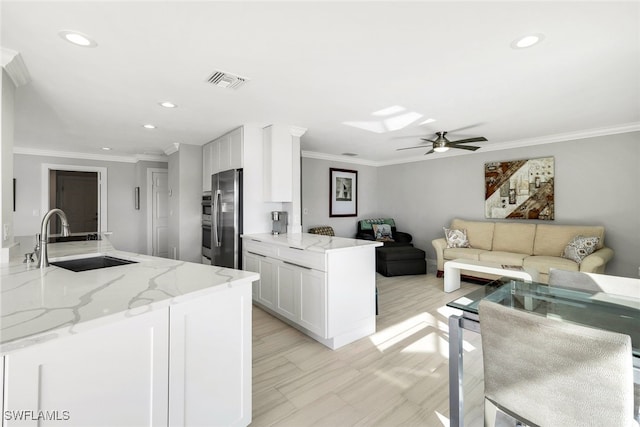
<point>324,286</point>
<point>158,342</point>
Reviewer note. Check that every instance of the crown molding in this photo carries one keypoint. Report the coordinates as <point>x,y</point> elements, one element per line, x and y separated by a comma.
<point>338,158</point>
<point>14,66</point>
<point>89,156</point>
<point>507,145</point>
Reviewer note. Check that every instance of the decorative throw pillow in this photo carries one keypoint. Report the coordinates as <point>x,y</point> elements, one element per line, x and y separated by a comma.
<point>382,232</point>
<point>456,238</point>
<point>580,247</point>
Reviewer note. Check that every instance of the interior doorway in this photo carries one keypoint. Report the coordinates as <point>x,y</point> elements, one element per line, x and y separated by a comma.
<point>80,191</point>
<point>76,193</point>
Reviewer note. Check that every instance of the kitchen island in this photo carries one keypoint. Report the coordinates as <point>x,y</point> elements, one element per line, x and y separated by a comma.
<point>154,342</point>
<point>324,286</point>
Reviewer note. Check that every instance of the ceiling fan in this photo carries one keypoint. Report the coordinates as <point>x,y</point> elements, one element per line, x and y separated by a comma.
<point>442,144</point>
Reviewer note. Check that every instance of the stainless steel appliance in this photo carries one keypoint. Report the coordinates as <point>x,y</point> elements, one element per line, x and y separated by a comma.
<point>279,219</point>
<point>207,208</point>
<point>226,196</point>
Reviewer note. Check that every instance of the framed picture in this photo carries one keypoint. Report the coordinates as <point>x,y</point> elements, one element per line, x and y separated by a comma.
<point>343,192</point>
<point>520,189</point>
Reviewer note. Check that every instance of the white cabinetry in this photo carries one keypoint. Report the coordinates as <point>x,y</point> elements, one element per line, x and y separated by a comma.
<point>114,375</point>
<point>207,166</point>
<point>222,154</point>
<point>278,164</point>
<point>187,364</point>
<point>330,295</point>
<point>210,360</point>
<point>264,289</point>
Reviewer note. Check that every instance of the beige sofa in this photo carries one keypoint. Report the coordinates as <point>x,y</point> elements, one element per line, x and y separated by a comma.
<point>538,246</point>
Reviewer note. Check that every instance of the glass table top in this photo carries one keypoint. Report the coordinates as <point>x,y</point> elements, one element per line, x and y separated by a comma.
<point>595,309</point>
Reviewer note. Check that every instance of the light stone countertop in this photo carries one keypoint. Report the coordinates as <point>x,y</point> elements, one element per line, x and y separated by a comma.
<point>312,242</point>
<point>38,305</point>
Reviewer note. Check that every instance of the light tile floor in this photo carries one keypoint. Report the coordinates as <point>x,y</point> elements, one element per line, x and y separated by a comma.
<point>396,377</point>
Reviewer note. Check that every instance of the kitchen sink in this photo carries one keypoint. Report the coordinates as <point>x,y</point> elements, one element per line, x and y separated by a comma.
<point>91,263</point>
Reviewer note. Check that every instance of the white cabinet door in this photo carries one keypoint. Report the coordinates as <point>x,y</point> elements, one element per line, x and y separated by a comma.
<point>313,301</point>
<point>210,359</point>
<point>301,296</point>
<point>224,142</point>
<point>267,288</point>
<point>114,375</point>
<point>207,151</point>
<point>264,290</point>
<point>237,149</point>
<point>251,262</point>
<point>287,282</point>
<point>215,157</point>
<point>278,164</point>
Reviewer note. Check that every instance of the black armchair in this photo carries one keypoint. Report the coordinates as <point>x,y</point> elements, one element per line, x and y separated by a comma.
<point>365,232</point>
<point>397,257</point>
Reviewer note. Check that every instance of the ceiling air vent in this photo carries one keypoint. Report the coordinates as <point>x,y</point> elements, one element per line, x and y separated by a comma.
<point>228,80</point>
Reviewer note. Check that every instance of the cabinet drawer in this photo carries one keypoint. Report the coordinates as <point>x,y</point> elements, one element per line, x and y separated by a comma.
<point>315,260</point>
<point>260,248</point>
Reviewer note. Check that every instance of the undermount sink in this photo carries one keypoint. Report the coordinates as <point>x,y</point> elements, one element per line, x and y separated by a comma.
<point>92,263</point>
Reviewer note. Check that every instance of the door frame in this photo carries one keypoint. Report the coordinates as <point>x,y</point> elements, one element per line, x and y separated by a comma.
<point>102,189</point>
<point>150,172</point>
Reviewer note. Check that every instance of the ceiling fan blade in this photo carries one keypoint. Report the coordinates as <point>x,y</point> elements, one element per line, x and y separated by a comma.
<point>466,127</point>
<point>410,148</point>
<point>476,139</point>
<point>428,140</point>
<point>430,151</point>
<point>464,147</point>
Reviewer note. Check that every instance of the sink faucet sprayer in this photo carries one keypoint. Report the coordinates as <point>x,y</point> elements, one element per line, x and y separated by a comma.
<point>43,259</point>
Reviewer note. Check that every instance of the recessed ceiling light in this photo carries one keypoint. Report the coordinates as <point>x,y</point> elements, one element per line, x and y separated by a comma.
<point>106,148</point>
<point>148,126</point>
<point>77,38</point>
<point>167,104</point>
<point>527,41</point>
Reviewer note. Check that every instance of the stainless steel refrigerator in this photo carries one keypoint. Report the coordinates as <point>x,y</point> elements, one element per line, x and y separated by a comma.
<point>226,197</point>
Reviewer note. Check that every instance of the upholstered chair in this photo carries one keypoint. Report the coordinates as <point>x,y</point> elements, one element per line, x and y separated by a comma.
<point>546,372</point>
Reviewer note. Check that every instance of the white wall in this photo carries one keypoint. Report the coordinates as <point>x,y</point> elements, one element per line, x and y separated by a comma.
<point>7,89</point>
<point>597,182</point>
<point>126,223</point>
<point>315,196</point>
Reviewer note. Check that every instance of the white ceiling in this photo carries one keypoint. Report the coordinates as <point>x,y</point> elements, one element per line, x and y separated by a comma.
<point>319,64</point>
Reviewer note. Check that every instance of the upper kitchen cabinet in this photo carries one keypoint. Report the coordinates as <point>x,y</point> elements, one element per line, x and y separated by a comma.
<point>281,162</point>
<point>207,166</point>
<point>221,154</point>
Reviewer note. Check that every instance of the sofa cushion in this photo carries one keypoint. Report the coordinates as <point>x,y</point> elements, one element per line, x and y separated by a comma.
<point>552,239</point>
<point>464,253</point>
<point>544,263</point>
<point>507,258</point>
<point>479,233</point>
<point>456,238</point>
<point>514,237</point>
<point>580,247</point>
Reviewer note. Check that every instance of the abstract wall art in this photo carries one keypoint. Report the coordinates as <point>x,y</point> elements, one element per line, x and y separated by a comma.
<point>520,189</point>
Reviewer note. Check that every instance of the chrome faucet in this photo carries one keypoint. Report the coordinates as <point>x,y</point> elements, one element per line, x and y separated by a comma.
<point>43,259</point>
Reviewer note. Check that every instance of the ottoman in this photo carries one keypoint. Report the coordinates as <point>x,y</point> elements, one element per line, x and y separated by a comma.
<point>400,261</point>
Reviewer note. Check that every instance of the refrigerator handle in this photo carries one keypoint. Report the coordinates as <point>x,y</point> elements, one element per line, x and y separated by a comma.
<point>217,216</point>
